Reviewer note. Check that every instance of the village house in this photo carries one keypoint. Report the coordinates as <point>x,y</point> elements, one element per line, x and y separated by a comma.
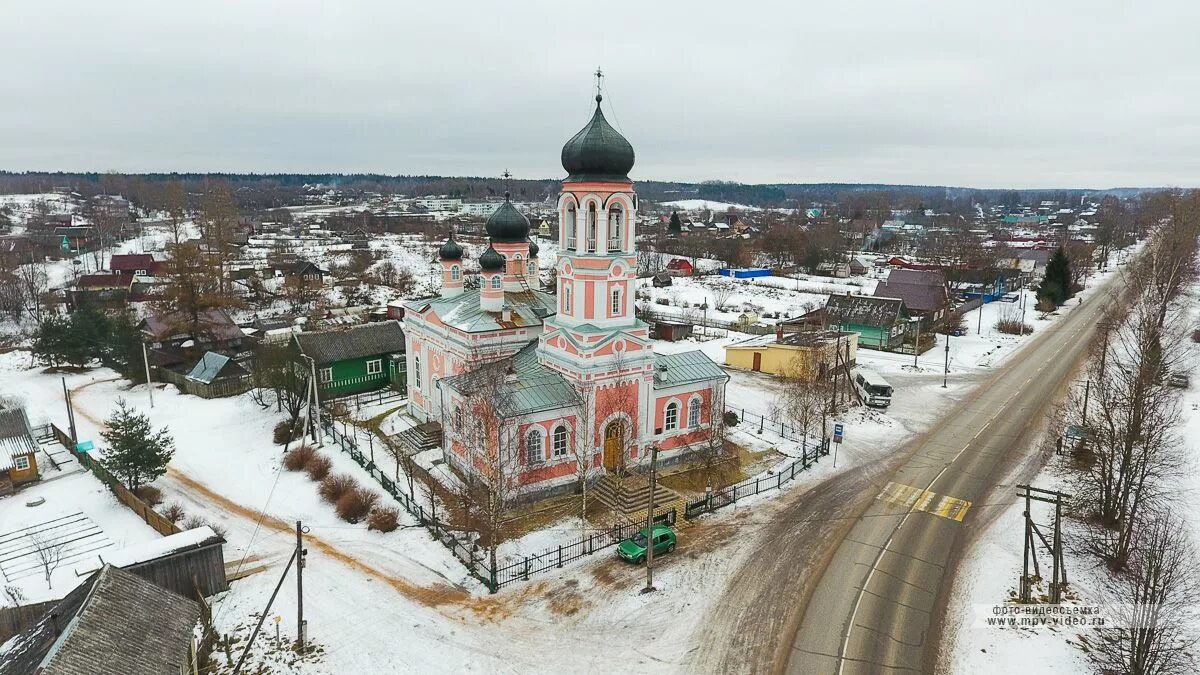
<point>361,358</point>
<point>18,450</point>
<point>679,267</point>
<point>114,623</point>
<point>881,323</point>
<point>134,264</point>
<point>924,293</point>
<point>795,352</point>
<point>579,374</point>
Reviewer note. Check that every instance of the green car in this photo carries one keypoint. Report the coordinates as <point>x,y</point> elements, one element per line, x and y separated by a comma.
<point>634,548</point>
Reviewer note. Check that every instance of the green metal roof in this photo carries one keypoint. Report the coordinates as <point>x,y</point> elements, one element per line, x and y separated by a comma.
<point>536,388</point>
<point>673,370</point>
<point>529,308</point>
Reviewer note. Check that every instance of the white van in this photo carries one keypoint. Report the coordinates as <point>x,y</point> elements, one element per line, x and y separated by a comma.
<point>872,388</point>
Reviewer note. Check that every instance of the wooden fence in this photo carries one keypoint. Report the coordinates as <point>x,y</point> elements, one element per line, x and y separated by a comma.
<point>14,620</point>
<point>135,503</point>
<point>218,389</point>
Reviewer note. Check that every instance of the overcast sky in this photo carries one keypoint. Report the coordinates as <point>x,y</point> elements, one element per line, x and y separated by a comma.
<point>1052,93</point>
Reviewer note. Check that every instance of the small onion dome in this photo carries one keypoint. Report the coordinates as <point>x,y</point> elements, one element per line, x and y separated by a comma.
<point>533,249</point>
<point>597,152</point>
<point>507,224</point>
<point>450,250</point>
<point>491,261</point>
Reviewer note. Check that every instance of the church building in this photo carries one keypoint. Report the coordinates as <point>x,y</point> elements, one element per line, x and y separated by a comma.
<point>581,387</point>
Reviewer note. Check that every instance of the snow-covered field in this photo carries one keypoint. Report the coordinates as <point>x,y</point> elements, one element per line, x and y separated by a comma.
<point>706,205</point>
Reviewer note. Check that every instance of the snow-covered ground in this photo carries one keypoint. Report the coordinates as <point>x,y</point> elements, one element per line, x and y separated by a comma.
<point>994,562</point>
<point>707,205</point>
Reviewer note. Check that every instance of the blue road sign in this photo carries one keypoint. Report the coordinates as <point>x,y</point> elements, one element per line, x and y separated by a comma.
<point>837,433</point>
<point>84,446</point>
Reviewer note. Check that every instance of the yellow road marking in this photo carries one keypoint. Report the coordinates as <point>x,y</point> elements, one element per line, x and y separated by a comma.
<point>917,499</point>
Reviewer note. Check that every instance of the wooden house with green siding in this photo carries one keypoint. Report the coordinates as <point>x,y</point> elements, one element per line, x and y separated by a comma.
<point>353,360</point>
<point>882,323</point>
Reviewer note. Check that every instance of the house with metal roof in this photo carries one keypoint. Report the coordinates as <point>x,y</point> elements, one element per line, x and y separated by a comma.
<point>360,358</point>
<point>881,323</point>
<point>18,450</point>
<point>115,623</point>
<point>924,293</point>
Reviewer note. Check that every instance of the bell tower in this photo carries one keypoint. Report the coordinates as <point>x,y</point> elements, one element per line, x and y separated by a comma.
<point>595,326</point>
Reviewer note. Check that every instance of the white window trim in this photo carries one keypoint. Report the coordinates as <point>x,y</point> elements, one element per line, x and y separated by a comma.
<point>667,426</point>
<point>699,410</point>
<point>566,448</point>
<point>375,366</point>
<point>18,460</point>
<point>326,375</point>
<point>417,369</point>
<point>540,454</point>
<point>455,274</point>
<point>615,302</point>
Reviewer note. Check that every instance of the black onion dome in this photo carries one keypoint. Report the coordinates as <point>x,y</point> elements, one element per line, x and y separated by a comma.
<point>533,249</point>
<point>507,224</point>
<point>491,261</point>
<point>597,152</point>
<point>450,250</point>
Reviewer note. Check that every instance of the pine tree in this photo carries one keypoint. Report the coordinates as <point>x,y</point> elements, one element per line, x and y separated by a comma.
<point>675,226</point>
<point>136,454</point>
<point>1056,284</point>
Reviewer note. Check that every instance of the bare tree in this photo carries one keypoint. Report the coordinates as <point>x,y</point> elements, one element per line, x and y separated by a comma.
<point>175,201</point>
<point>1152,601</point>
<point>48,552</point>
<point>711,447</point>
<point>722,290</point>
<point>584,449</point>
<point>805,397</point>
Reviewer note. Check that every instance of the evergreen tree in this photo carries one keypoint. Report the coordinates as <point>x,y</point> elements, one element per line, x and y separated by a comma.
<point>1056,284</point>
<point>675,226</point>
<point>136,454</point>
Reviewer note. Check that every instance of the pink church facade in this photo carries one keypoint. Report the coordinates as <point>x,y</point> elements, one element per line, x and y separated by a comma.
<point>587,392</point>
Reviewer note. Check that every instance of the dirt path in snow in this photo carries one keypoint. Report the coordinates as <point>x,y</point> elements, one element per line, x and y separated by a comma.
<point>430,596</point>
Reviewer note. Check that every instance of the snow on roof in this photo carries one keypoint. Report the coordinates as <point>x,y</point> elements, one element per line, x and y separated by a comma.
<point>150,550</point>
<point>16,438</point>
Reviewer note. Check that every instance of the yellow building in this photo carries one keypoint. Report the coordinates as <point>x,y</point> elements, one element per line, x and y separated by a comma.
<point>808,354</point>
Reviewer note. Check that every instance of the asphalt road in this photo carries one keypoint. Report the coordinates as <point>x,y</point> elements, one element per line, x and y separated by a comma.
<point>878,604</point>
<point>845,581</point>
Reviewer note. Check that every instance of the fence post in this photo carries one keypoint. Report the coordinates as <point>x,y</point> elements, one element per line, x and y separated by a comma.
<point>756,486</point>
<point>525,572</point>
<point>560,556</point>
<point>492,575</point>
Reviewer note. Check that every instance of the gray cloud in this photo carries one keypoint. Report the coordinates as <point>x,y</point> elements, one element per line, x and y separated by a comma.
<point>1024,94</point>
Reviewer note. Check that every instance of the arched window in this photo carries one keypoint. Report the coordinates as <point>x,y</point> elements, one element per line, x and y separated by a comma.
<point>417,369</point>
<point>455,274</point>
<point>671,418</point>
<point>616,239</point>
<point>533,446</point>
<point>591,228</point>
<point>569,228</point>
<point>496,281</point>
<point>694,413</point>
<point>566,297</point>
<point>616,301</point>
<point>559,448</point>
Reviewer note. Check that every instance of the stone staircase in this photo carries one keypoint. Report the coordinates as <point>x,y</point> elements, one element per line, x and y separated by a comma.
<point>629,496</point>
<point>421,437</point>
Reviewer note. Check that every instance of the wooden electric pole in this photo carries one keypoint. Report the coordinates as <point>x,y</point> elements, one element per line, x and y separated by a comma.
<point>1053,545</point>
<point>650,521</point>
<point>301,627</point>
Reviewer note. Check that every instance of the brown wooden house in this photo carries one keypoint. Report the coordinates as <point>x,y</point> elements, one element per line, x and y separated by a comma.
<point>18,450</point>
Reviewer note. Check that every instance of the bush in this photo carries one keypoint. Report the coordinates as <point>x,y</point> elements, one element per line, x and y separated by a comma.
<point>192,522</point>
<point>731,418</point>
<point>1196,336</point>
<point>173,512</point>
<point>151,495</point>
<point>355,504</point>
<point>384,518</point>
<point>298,458</point>
<point>280,433</point>
<point>334,487</point>
<point>1013,327</point>
<point>318,467</point>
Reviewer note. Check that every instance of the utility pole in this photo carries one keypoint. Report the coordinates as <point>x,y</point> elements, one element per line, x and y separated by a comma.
<point>70,413</point>
<point>917,342</point>
<point>301,627</point>
<point>1053,545</point>
<point>149,385</point>
<point>650,521</point>
<point>946,369</point>
<point>315,404</point>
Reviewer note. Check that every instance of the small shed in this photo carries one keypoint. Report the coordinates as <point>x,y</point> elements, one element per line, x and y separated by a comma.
<point>661,280</point>
<point>672,331</point>
<point>679,267</point>
<point>18,449</point>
